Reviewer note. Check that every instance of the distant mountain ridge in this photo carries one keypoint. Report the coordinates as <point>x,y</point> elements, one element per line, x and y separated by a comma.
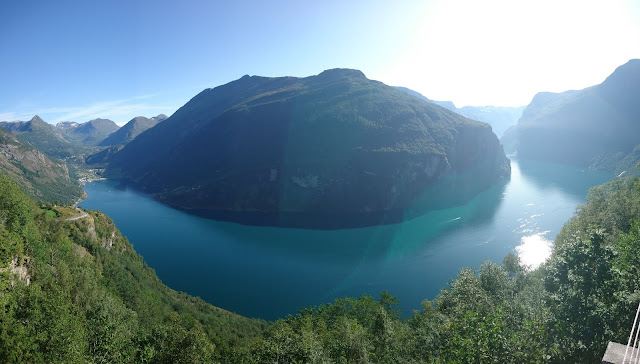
<point>69,139</point>
<point>42,136</point>
<point>499,117</point>
<point>88,134</point>
<point>131,129</point>
<point>598,126</point>
<point>335,143</point>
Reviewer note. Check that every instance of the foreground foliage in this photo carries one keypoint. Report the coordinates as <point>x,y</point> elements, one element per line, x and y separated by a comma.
<point>76,291</point>
<point>565,311</point>
<point>91,298</point>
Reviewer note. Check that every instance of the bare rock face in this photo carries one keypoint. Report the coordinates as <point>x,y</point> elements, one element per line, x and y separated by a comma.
<point>99,228</point>
<point>20,270</point>
<point>107,242</point>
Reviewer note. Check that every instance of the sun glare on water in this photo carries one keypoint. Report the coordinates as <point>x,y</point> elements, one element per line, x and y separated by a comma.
<point>534,249</point>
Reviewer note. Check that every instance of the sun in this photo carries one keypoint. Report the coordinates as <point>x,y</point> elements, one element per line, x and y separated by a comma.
<point>500,52</point>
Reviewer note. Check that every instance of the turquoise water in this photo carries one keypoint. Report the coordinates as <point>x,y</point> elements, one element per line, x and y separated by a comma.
<point>271,272</point>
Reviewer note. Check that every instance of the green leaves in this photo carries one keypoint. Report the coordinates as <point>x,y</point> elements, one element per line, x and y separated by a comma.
<point>92,298</point>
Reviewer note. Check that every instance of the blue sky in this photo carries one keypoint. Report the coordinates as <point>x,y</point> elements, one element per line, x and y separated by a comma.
<point>67,60</point>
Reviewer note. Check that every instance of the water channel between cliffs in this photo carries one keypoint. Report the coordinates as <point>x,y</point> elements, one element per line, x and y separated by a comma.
<point>270,272</point>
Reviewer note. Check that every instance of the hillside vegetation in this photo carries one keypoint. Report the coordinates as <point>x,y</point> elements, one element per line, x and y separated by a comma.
<point>499,117</point>
<point>566,311</point>
<point>77,292</point>
<point>37,175</point>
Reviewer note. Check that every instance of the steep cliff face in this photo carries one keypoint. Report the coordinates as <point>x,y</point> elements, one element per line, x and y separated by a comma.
<point>331,144</point>
<point>596,127</point>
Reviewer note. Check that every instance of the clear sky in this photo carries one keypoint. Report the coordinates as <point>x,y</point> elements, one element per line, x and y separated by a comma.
<point>67,60</point>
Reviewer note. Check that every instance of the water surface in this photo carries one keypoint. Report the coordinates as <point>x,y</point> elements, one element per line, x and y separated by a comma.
<point>271,272</point>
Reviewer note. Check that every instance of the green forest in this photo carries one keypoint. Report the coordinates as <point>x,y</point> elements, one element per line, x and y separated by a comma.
<point>76,291</point>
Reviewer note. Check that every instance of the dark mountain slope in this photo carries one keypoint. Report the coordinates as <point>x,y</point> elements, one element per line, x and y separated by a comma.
<point>598,126</point>
<point>37,175</point>
<point>499,117</point>
<point>331,144</point>
<point>131,130</point>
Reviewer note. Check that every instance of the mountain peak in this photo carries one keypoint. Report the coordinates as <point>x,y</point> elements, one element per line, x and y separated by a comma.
<point>623,86</point>
<point>627,74</point>
<point>67,125</point>
<point>336,73</point>
<point>100,121</point>
<point>130,130</point>
<point>36,119</point>
<point>138,119</point>
<point>260,146</point>
<point>633,65</point>
<point>160,117</point>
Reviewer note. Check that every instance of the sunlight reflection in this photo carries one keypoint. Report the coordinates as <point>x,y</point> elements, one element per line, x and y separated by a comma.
<point>534,250</point>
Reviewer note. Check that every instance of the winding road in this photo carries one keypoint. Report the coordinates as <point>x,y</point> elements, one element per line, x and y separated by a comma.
<point>82,214</point>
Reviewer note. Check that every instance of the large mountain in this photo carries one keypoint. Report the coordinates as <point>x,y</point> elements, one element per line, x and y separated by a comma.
<point>131,130</point>
<point>87,134</point>
<point>36,174</point>
<point>41,135</point>
<point>329,145</point>
<point>499,117</point>
<point>597,127</point>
